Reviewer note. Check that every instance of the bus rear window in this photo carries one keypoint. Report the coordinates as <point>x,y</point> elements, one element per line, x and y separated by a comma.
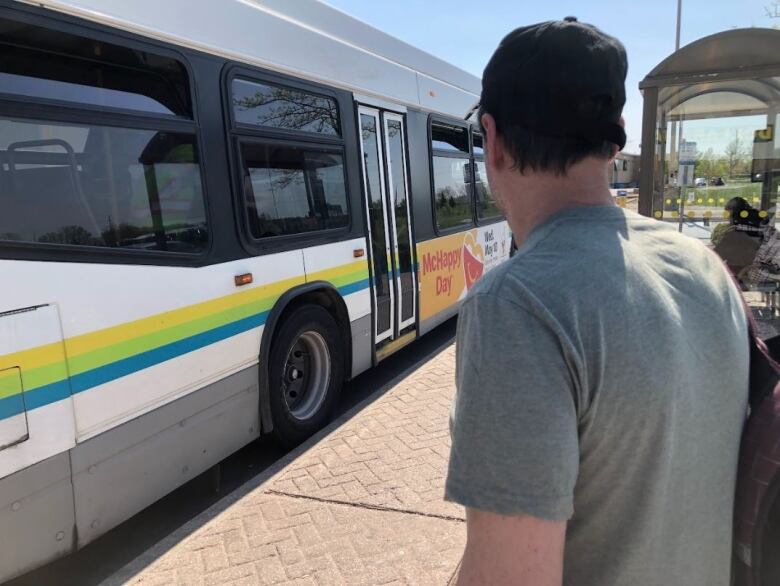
<point>41,63</point>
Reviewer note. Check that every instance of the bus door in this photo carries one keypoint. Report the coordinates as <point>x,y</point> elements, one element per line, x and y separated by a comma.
<point>386,189</point>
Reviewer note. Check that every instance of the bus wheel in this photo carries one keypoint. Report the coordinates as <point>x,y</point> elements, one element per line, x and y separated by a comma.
<point>306,370</point>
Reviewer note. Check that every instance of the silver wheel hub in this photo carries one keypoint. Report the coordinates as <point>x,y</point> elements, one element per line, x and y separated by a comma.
<point>306,375</point>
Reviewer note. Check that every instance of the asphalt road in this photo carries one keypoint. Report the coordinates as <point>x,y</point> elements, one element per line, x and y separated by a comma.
<point>107,554</point>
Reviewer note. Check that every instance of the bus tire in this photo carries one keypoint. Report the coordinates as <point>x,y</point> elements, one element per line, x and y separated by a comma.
<point>305,373</point>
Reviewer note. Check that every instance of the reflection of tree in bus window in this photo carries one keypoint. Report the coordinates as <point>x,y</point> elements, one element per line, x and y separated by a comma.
<point>282,107</point>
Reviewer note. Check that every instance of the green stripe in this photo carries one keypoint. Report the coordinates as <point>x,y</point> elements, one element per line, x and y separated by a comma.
<point>45,375</point>
<point>10,383</point>
<point>360,275</point>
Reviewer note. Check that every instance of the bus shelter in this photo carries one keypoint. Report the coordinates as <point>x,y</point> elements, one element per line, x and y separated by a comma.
<point>711,151</point>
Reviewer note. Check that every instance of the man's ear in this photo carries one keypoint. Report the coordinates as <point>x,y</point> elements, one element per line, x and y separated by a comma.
<point>494,148</point>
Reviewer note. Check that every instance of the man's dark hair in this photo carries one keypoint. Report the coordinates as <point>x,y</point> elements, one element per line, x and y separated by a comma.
<point>556,91</point>
<point>544,153</point>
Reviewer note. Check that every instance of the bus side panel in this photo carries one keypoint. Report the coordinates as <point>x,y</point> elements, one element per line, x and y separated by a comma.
<point>450,265</point>
<point>124,470</point>
<point>137,337</point>
<point>36,516</point>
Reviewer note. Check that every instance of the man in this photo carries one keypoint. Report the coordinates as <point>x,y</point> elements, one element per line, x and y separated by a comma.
<point>602,371</point>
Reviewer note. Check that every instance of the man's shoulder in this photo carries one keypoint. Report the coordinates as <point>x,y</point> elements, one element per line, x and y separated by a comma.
<point>504,284</point>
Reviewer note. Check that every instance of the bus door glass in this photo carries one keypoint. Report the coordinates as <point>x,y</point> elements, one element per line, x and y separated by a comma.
<point>398,200</point>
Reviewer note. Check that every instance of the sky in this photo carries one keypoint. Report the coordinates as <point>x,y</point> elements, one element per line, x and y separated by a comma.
<point>466,33</point>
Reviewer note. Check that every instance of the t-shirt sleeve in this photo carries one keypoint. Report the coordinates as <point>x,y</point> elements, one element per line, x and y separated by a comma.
<point>513,423</point>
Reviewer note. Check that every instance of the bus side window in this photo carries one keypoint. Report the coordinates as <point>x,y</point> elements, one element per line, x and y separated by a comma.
<point>290,190</point>
<point>289,187</point>
<point>119,184</point>
<point>452,176</point>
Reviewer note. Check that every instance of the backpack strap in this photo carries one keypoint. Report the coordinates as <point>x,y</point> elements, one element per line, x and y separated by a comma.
<point>764,370</point>
<point>764,373</point>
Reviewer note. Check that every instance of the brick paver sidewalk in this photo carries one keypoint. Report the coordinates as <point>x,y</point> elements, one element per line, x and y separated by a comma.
<point>360,503</point>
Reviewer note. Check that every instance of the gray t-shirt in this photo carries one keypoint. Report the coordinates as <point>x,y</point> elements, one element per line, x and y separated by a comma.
<point>602,378</point>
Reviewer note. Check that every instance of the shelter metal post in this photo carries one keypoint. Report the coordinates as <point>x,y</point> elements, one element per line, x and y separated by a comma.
<point>648,154</point>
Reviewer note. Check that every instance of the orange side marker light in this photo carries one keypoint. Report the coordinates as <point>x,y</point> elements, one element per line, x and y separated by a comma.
<point>244,279</point>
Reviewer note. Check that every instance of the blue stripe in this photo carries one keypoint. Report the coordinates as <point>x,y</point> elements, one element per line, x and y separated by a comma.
<point>354,287</point>
<point>34,398</point>
<point>10,406</point>
<point>103,374</point>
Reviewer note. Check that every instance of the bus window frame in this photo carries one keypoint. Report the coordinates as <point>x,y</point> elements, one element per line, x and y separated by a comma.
<point>43,110</point>
<point>237,133</point>
<point>469,157</point>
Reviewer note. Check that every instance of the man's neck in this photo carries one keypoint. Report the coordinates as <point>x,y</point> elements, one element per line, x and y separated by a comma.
<point>532,198</point>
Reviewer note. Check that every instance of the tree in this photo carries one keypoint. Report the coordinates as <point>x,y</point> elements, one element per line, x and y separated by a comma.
<point>443,196</point>
<point>708,165</point>
<point>737,156</point>
<point>70,235</point>
<point>705,163</point>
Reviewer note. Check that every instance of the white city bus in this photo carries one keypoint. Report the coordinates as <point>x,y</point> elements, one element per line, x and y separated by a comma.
<point>211,214</point>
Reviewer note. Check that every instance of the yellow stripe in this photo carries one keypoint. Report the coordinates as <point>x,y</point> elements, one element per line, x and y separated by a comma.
<point>328,274</point>
<point>34,357</point>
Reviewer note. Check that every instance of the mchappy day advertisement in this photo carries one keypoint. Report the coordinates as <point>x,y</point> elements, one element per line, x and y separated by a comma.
<point>449,266</point>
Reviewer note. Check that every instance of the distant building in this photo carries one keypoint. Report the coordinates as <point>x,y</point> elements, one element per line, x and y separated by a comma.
<point>625,171</point>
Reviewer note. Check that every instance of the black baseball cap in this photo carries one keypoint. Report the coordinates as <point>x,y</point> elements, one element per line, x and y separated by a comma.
<point>559,78</point>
